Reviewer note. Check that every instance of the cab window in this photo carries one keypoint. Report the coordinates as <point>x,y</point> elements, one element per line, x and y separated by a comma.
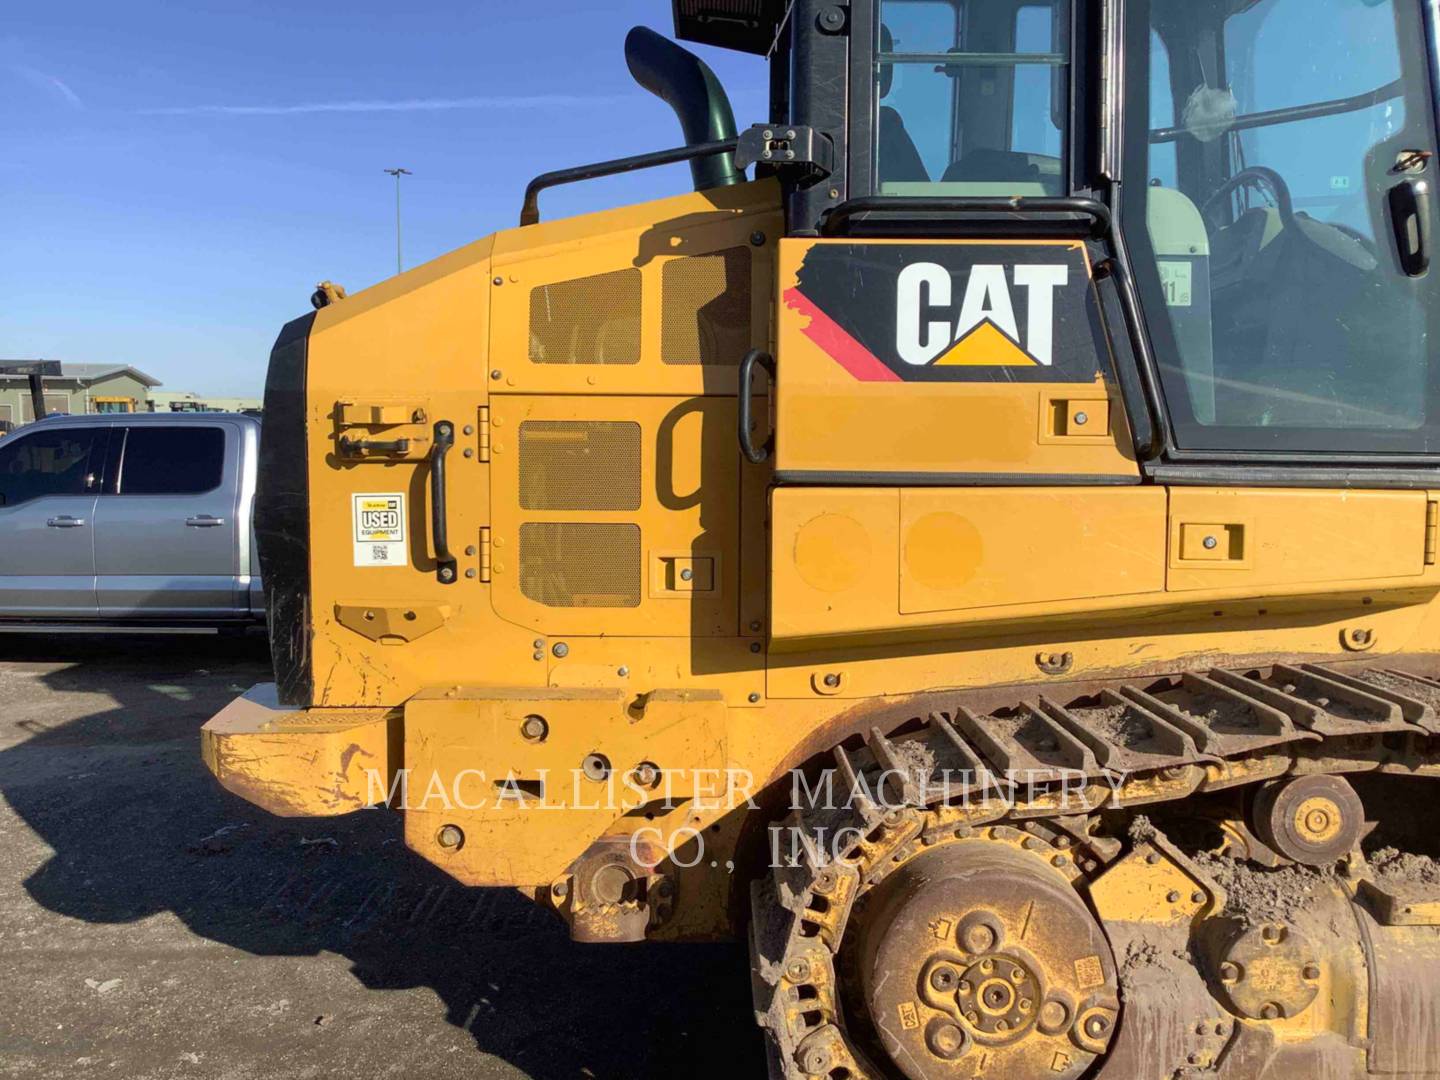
<point>1277,225</point>
<point>972,97</point>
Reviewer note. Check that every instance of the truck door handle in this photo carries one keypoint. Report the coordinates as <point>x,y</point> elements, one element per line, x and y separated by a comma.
<point>444,562</point>
<point>1410,218</point>
<point>65,521</point>
<point>757,455</point>
<point>204,521</point>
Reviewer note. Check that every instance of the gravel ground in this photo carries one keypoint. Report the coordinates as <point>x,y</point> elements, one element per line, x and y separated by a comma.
<point>154,926</point>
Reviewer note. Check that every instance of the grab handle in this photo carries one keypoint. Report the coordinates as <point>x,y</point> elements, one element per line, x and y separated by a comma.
<point>757,455</point>
<point>444,562</point>
<point>1410,218</point>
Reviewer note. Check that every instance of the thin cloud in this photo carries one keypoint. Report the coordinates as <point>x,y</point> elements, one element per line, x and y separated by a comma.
<point>534,101</point>
<point>47,81</point>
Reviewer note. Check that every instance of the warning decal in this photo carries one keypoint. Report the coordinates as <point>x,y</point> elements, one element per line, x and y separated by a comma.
<point>379,529</point>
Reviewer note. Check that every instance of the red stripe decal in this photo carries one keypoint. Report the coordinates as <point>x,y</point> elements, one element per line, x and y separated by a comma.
<point>837,343</point>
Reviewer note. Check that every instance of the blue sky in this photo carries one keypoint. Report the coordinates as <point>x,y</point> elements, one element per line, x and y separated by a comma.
<point>175,178</point>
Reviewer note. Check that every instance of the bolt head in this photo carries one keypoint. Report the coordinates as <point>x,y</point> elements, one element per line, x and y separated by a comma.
<point>944,979</point>
<point>450,837</point>
<point>1271,1011</point>
<point>496,374</point>
<point>1229,972</point>
<point>1210,543</point>
<point>832,680</point>
<point>753,698</point>
<point>560,650</point>
<point>535,728</point>
<point>1081,419</point>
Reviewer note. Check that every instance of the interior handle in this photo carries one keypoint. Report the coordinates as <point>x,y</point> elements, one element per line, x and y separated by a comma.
<point>445,564</point>
<point>757,455</point>
<point>1410,218</point>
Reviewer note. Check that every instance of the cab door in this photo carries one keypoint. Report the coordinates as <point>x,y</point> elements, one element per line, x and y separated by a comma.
<point>50,478</point>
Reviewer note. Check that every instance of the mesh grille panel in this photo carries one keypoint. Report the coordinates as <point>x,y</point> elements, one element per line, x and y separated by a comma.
<point>590,320</point>
<point>569,564</point>
<point>579,465</point>
<point>705,311</point>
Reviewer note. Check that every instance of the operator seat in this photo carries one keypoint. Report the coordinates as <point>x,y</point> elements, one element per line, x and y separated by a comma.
<point>900,161</point>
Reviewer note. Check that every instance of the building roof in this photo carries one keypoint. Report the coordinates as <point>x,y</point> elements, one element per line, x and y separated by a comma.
<point>90,373</point>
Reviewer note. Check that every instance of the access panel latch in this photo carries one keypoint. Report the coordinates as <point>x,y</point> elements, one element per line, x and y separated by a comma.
<point>381,430</point>
<point>791,148</point>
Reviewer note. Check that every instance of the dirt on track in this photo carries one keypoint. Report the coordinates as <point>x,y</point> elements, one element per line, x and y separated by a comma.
<point>154,926</point>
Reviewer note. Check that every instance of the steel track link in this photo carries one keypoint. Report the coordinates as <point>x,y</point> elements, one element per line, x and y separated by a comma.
<point>1029,775</point>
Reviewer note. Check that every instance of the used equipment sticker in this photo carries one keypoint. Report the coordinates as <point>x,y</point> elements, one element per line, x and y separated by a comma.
<point>379,529</point>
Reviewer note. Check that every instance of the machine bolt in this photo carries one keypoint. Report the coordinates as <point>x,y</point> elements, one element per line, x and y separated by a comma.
<point>1081,419</point>
<point>832,680</point>
<point>496,374</point>
<point>757,238</point>
<point>753,698</point>
<point>470,550</point>
<point>647,774</point>
<point>816,1060</point>
<point>1210,543</point>
<point>945,1040</point>
<point>978,938</point>
<point>1271,1011</point>
<point>468,453</point>
<point>470,573</point>
<point>798,971</point>
<point>450,837</point>
<point>1229,973</point>
<point>1311,972</point>
<point>832,20</point>
<point>755,626</point>
<point>825,882</point>
<point>537,655</point>
<point>623,671</point>
<point>561,889</point>
<point>596,767</point>
<point>446,574</point>
<point>754,646</point>
<point>1172,897</point>
<point>560,649</point>
<point>687,575</point>
<point>1197,897</point>
<point>539,643</point>
<point>469,429</point>
<point>1096,1026</point>
<point>944,979</point>
<point>498,280</point>
<point>534,728</point>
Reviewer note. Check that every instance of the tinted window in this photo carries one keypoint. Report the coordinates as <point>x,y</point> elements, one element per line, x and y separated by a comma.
<point>61,461</point>
<point>1268,250</point>
<point>172,460</point>
<point>971,97</point>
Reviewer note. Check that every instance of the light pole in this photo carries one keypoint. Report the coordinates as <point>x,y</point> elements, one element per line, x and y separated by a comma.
<point>397,173</point>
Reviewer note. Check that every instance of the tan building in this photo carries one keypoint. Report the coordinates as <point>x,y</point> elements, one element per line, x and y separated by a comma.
<point>80,388</point>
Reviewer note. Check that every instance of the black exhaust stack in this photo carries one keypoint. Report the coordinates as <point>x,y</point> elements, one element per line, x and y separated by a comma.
<point>685,82</point>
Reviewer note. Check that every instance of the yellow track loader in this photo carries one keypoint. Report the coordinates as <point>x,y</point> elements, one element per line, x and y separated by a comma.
<point>979,546</point>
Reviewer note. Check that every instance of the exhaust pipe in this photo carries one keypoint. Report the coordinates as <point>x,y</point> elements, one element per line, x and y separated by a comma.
<point>685,82</point>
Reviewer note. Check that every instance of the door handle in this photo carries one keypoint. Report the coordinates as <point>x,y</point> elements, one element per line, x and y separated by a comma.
<point>1410,218</point>
<point>65,521</point>
<point>757,455</point>
<point>204,521</point>
<point>445,563</point>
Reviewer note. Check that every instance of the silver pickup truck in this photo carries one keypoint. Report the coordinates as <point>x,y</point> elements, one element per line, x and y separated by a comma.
<point>130,519</point>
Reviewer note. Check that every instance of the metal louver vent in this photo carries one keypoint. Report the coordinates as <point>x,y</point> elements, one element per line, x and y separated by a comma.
<point>589,320</point>
<point>579,465</point>
<point>705,308</point>
<point>580,564</point>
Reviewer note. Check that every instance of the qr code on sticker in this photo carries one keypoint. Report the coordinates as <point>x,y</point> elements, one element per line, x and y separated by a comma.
<point>380,553</point>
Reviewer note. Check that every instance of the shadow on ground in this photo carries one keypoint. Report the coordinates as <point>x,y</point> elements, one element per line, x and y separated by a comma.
<point>109,776</point>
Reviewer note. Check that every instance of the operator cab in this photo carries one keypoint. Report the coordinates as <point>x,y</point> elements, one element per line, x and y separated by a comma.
<point>1266,166</point>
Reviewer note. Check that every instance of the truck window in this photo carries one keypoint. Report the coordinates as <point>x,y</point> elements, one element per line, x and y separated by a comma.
<point>60,461</point>
<point>172,460</point>
<point>1283,313</point>
<point>971,97</point>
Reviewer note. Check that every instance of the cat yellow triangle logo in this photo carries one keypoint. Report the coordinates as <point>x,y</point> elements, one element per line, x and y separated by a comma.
<point>985,346</point>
